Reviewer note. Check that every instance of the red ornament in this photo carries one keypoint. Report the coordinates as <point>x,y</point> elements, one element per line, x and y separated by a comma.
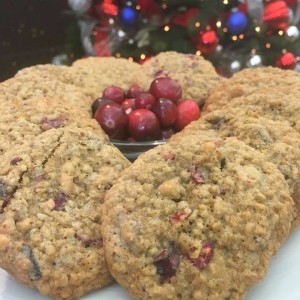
<point>286,61</point>
<point>276,15</point>
<point>208,42</point>
<point>102,43</point>
<point>291,2</point>
<point>148,7</point>
<point>184,18</point>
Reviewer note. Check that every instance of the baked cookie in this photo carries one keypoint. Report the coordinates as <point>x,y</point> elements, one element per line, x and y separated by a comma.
<point>278,141</point>
<point>250,81</point>
<point>196,76</point>
<point>189,220</point>
<point>36,86</point>
<point>23,120</point>
<point>91,75</point>
<point>51,192</point>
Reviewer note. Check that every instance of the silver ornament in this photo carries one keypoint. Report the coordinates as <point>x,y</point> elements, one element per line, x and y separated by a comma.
<point>293,32</point>
<point>80,6</point>
<point>235,66</point>
<point>60,59</point>
<point>254,61</point>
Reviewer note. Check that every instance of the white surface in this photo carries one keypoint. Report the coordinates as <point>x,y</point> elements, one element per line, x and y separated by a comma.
<point>281,283</point>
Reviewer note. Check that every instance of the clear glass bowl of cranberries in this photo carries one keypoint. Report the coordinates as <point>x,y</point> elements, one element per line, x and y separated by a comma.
<point>137,120</point>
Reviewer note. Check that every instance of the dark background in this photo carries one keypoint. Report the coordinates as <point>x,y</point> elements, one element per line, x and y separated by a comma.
<point>31,32</point>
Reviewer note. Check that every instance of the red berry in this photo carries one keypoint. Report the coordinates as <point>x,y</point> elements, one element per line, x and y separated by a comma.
<point>165,87</point>
<point>188,111</point>
<point>114,93</point>
<point>128,105</point>
<point>143,125</point>
<point>205,256</point>
<point>134,90</point>
<point>166,111</point>
<point>113,120</point>
<point>99,103</point>
<point>166,133</point>
<point>144,100</point>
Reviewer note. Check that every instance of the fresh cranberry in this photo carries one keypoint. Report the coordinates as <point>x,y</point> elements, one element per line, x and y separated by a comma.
<point>99,103</point>
<point>166,111</point>
<point>144,100</point>
<point>188,111</point>
<point>165,87</point>
<point>143,125</point>
<point>114,93</point>
<point>205,256</point>
<point>167,262</point>
<point>113,120</point>
<point>134,90</point>
<point>166,133</point>
<point>128,105</point>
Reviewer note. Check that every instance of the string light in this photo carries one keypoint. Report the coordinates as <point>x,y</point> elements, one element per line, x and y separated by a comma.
<point>143,56</point>
<point>280,32</point>
<point>225,2</point>
<point>138,7</point>
<point>118,55</point>
<point>268,45</point>
<point>241,36</point>
<point>197,24</point>
<point>234,38</point>
<point>257,29</point>
<point>225,29</point>
<point>166,28</point>
<point>130,59</point>
<point>219,24</point>
<point>198,52</point>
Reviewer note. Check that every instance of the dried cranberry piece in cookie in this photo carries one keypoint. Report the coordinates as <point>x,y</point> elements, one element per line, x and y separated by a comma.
<point>167,262</point>
<point>15,161</point>
<point>89,242</point>
<point>180,216</point>
<point>60,201</point>
<point>205,256</point>
<point>47,124</point>
<point>196,175</point>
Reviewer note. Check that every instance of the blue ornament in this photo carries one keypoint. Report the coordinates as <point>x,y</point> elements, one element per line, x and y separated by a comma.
<point>128,15</point>
<point>237,23</point>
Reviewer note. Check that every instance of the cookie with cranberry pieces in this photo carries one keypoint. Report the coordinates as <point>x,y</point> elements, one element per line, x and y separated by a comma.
<point>251,81</point>
<point>195,220</point>
<point>51,192</point>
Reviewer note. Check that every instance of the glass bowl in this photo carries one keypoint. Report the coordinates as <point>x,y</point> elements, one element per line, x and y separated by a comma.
<point>131,150</point>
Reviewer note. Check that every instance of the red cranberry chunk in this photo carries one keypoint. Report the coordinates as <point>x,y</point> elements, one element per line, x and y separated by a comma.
<point>47,124</point>
<point>143,125</point>
<point>144,100</point>
<point>167,262</point>
<point>134,90</point>
<point>165,87</point>
<point>196,175</point>
<point>188,111</point>
<point>180,216</point>
<point>89,242</point>
<point>113,119</point>
<point>166,112</point>
<point>60,201</point>
<point>99,103</point>
<point>15,161</point>
<point>205,256</point>
<point>114,93</point>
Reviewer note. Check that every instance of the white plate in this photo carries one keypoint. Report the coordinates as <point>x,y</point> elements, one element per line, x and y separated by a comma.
<point>281,283</point>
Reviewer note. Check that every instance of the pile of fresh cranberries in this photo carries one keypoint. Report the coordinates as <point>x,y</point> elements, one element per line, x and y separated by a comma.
<point>138,115</point>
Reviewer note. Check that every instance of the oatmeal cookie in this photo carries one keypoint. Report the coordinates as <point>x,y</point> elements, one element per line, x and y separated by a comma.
<point>51,192</point>
<point>189,220</point>
<point>251,81</point>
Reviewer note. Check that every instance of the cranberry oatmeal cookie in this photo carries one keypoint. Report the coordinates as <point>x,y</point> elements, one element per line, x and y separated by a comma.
<point>251,81</point>
<point>51,191</point>
<point>190,220</point>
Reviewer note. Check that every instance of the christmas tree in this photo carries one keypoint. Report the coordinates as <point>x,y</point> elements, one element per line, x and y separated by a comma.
<point>231,34</point>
